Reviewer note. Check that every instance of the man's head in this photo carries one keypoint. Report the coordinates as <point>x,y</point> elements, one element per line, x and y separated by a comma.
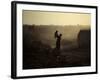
<point>56,31</point>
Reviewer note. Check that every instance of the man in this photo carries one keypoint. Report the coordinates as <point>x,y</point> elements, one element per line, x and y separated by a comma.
<point>58,42</point>
<point>56,34</point>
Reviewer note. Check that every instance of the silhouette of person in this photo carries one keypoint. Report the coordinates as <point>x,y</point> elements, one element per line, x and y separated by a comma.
<point>58,42</point>
<point>56,34</point>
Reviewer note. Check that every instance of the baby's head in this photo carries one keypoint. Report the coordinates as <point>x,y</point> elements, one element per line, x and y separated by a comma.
<point>60,34</point>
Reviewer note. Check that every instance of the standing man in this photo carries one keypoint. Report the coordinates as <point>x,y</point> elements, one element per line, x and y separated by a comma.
<point>58,40</point>
<point>56,34</point>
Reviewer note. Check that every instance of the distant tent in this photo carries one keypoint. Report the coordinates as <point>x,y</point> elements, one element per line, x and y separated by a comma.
<point>84,38</point>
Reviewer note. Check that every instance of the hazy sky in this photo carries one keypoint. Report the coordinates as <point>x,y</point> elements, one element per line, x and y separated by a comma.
<point>55,18</point>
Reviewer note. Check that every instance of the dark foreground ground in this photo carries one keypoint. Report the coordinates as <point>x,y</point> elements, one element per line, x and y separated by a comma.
<point>45,57</point>
<point>37,52</point>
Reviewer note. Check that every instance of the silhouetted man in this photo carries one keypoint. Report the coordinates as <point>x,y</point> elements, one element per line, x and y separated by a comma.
<point>58,42</point>
<point>56,34</point>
